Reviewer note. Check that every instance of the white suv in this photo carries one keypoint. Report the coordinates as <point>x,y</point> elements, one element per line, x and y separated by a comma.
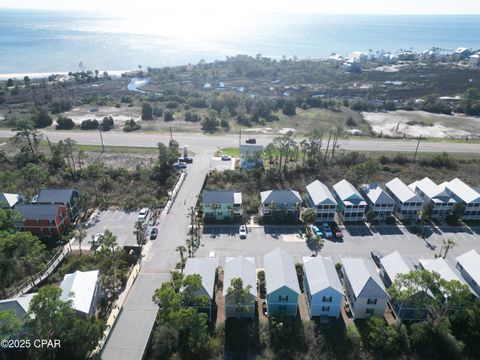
<point>243,232</point>
<point>142,215</point>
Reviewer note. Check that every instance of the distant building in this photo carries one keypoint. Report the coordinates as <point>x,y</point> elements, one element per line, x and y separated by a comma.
<point>281,204</point>
<point>351,205</point>
<point>19,305</point>
<point>366,293</point>
<point>469,266</point>
<point>251,156</point>
<point>379,202</point>
<point>442,203</point>
<point>67,197</point>
<point>323,289</point>
<point>281,283</point>
<point>321,199</point>
<point>474,60</point>
<point>465,195</point>
<point>82,288</point>
<point>408,204</point>
<point>43,220</point>
<point>8,201</point>
<point>221,204</point>
<point>462,53</point>
<point>207,269</point>
<point>243,268</point>
<point>407,56</point>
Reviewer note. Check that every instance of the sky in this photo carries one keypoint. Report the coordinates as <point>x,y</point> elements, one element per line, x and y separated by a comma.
<point>443,7</point>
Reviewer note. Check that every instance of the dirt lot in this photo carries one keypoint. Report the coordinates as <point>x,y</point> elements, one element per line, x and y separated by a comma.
<point>416,123</point>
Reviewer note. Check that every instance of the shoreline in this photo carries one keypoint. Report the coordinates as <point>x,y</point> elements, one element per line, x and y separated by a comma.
<point>41,75</point>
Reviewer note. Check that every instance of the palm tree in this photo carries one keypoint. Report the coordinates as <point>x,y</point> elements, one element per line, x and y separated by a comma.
<point>139,233</point>
<point>447,245</point>
<point>80,234</point>
<point>181,249</point>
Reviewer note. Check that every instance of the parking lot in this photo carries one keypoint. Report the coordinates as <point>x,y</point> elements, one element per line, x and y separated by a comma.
<point>357,241</point>
<point>119,222</point>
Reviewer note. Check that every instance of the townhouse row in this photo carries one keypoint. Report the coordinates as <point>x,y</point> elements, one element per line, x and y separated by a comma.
<point>406,202</point>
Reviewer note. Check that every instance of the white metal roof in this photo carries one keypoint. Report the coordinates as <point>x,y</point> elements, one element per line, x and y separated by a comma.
<point>432,190</point>
<point>402,191</point>
<point>206,268</point>
<point>10,199</point>
<point>470,262</point>
<point>80,288</point>
<point>440,266</point>
<point>362,275</point>
<point>376,194</point>
<point>321,274</point>
<point>463,191</point>
<point>237,198</point>
<point>280,271</point>
<point>348,194</point>
<point>395,264</point>
<point>240,267</point>
<point>320,194</point>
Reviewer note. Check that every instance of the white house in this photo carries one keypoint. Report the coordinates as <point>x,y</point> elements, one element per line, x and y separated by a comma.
<point>281,283</point>
<point>20,305</point>
<point>366,293</point>
<point>82,288</point>
<point>378,201</point>
<point>281,203</point>
<point>441,201</point>
<point>351,204</point>
<point>221,204</point>
<point>408,204</point>
<point>474,60</point>
<point>469,266</point>
<point>207,269</point>
<point>462,52</point>
<point>393,265</point>
<point>322,287</point>
<point>441,267</point>
<point>243,268</point>
<point>8,201</point>
<point>321,199</point>
<point>465,195</point>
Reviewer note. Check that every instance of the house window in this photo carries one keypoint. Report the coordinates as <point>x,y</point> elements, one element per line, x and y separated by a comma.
<point>325,308</point>
<point>283,298</point>
<point>327,299</point>
<point>372,301</point>
<point>369,311</point>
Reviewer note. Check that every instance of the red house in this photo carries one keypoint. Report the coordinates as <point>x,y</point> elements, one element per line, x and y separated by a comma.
<point>43,220</point>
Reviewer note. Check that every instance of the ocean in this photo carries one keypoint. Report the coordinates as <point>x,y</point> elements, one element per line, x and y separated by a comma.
<point>47,42</point>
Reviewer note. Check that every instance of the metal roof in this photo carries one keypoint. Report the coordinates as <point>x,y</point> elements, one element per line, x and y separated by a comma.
<point>54,196</point>
<point>206,268</point>
<point>463,191</point>
<point>470,262</point>
<point>20,305</point>
<point>281,196</point>
<point>321,274</point>
<point>243,268</point>
<point>432,190</point>
<point>440,266</point>
<point>9,199</point>
<point>348,194</point>
<point>221,197</point>
<point>38,211</point>
<point>395,264</point>
<point>376,194</point>
<point>280,271</point>
<point>402,191</point>
<point>320,194</point>
<point>363,277</point>
<point>82,284</point>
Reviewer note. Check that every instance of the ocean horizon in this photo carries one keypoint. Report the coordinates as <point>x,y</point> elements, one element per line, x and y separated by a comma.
<point>45,42</point>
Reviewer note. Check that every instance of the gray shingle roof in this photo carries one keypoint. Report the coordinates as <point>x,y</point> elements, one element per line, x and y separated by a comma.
<point>377,195</point>
<point>221,197</point>
<point>206,268</point>
<point>38,211</point>
<point>321,274</point>
<point>240,267</point>
<point>280,271</point>
<point>55,196</point>
<point>363,278</point>
<point>281,197</point>
<point>320,194</point>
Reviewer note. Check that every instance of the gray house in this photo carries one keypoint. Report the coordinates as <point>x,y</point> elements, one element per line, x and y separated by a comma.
<point>67,197</point>
<point>366,293</point>
<point>438,198</point>
<point>465,195</point>
<point>281,204</point>
<point>221,204</point>
<point>281,283</point>
<point>321,199</point>
<point>243,268</point>
<point>379,202</point>
<point>408,204</point>
<point>207,269</point>
<point>469,266</point>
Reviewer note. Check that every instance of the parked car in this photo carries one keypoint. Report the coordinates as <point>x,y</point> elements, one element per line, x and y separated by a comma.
<point>179,165</point>
<point>153,233</point>
<point>226,158</point>
<point>316,230</point>
<point>243,232</point>
<point>211,254</point>
<point>265,307</point>
<point>376,256</point>
<point>186,159</point>
<point>251,141</point>
<point>327,230</point>
<point>142,215</point>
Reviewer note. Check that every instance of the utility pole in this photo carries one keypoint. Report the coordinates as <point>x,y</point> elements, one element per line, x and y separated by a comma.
<point>416,150</point>
<point>101,139</point>
<point>171,135</point>
<point>239,136</point>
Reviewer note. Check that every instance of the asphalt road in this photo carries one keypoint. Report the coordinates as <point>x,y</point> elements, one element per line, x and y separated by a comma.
<point>200,142</point>
<point>131,332</point>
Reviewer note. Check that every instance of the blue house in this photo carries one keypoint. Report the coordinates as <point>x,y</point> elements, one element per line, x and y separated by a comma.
<point>281,283</point>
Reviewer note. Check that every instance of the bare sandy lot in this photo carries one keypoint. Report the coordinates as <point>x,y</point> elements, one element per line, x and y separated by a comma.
<point>419,123</point>
<point>119,115</point>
